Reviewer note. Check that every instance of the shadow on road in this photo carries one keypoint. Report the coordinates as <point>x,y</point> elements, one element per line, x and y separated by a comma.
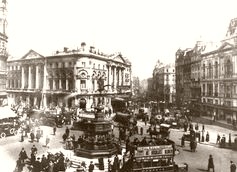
<point>201,169</point>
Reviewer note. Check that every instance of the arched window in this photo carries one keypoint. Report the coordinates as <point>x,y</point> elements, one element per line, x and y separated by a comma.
<point>228,68</point>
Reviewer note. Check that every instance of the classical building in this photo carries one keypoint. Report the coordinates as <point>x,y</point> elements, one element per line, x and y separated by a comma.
<point>3,51</point>
<point>206,77</point>
<point>164,84</point>
<point>69,77</point>
<point>219,78</point>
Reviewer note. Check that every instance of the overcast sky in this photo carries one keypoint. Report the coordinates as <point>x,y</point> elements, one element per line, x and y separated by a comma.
<point>142,30</point>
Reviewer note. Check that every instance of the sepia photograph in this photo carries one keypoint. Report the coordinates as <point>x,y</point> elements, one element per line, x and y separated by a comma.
<point>118,86</point>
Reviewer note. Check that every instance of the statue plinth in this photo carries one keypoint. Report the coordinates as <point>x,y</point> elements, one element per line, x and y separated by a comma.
<point>99,140</point>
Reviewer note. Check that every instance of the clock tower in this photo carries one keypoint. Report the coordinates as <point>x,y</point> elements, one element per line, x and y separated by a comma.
<point>3,50</point>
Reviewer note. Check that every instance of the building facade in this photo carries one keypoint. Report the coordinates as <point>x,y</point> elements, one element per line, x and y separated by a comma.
<point>3,51</point>
<point>164,84</point>
<point>68,78</point>
<point>206,77</point>
<point>219,78</point>
<point>183,76</point>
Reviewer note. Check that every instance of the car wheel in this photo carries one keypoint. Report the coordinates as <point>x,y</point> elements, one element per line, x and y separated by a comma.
<point>3,135</point>
<point>12,130</point>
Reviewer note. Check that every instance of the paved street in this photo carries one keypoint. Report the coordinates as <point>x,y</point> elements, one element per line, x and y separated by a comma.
<point>11,146</point>
<point>197,161</point>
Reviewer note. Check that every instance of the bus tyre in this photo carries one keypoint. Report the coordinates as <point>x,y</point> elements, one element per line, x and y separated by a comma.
<point>12,130</point>
<point>3,135</point>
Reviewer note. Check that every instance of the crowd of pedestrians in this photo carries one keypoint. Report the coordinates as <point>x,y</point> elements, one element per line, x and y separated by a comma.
<point>49,163</point>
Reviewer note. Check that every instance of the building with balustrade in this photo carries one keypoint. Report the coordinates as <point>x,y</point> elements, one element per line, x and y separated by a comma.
<point>69,78</point>
<point>3,51</point>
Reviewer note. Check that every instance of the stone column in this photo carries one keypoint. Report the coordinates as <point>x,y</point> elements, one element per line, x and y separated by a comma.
<point>120,77</point>
<point>22,77</point>
<point>29,79</point>
<point>115,78</point>
<point>95,85</point>
<point>66,84</point>
<point>60,83</point>
<point>54,84</point>
<point>35,101</point>
<point>37,77</point>
<point>108,81</point>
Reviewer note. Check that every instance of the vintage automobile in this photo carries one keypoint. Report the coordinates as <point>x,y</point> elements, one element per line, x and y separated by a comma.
<point>8,129</point>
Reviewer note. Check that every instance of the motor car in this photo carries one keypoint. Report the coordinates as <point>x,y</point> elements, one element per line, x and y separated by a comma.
<point>7,130</point>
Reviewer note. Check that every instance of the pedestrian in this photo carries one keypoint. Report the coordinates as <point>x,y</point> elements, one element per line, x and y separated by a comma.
<point>218,139</point>
<point>32,136</point>
<point>207,137</point>
<point>67,131</point>
<point>38,135</point>
<point>34,149</point>
<point>196,126</point>
<point>44,162</point>
<point>23,156</point>
<point>91,167</point>
<point>32,158</point>
<point>22,137</point>
<point>47,140</point>
<point>141,130</point>
<point>54,129</point>
<point>183,141</point>
<point>210,164</point>
<point>230,139</point>
<point>116,163</point>
<point>232,167</point>
<point>19,165</point>
<point>64,137</point>
<point>37,166</point>
<point>203,127</point>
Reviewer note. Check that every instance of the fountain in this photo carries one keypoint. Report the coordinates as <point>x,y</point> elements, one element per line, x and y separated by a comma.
<point>98,141</point>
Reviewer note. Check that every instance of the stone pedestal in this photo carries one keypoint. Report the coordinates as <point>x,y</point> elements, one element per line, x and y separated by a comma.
<point>99,140</point>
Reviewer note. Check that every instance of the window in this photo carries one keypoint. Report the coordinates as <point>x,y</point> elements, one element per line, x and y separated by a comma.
<point>94,66</point>
<point>210,71</point>
<point>216,69</point>
<point>83,64</point>
<point>98,66</point>
<point>203,68</point>
<point>83,84</point>
<point>228,68</point>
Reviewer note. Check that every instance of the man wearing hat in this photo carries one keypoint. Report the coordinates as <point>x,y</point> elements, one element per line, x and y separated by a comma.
<point>232,167</point>
<point>37,165</point>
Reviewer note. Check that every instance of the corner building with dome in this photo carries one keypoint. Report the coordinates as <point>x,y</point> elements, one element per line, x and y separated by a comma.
<point>69,78</point>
